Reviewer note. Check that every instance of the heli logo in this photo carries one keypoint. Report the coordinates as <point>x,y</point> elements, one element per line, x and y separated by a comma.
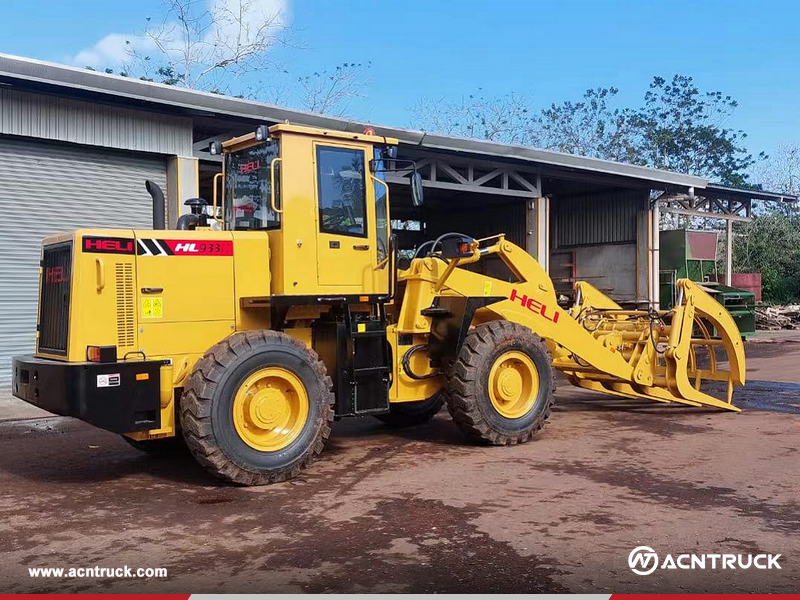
<point>249,167</point>
<point>55,275</point>
<point>153,247</point>
<point>108,245</point>
<point>534,306</point>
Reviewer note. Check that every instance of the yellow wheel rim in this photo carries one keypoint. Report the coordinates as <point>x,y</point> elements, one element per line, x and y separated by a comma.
<point>270,409</point>
<point>513,384</point>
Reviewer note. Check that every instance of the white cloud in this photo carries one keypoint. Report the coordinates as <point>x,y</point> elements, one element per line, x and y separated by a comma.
<point>113,50</point>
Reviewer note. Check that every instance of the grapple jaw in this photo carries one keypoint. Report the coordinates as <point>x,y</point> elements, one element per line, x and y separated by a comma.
<point>673,354</point>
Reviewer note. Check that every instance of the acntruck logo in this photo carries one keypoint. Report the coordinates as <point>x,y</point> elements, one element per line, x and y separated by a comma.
<point>643,560</point>
<point>644,557</point>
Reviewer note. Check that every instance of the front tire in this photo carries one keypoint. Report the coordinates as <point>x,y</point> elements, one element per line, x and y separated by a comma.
<point>501,386</point>
<point>257,408</point>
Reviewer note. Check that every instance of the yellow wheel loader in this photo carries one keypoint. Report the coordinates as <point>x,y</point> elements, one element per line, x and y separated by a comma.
<point>261,319</point>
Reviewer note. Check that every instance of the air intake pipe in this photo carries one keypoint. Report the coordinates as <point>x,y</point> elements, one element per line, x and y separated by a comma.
<point>159,221</point>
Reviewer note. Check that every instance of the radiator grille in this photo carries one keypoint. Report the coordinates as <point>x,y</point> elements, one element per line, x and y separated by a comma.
<point>54,298</point>
<point>125,305</point>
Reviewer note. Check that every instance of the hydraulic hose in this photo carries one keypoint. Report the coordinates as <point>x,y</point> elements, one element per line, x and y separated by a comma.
<point>406,363</point>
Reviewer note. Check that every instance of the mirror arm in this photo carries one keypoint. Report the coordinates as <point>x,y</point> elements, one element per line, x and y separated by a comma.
<point>410,165</point>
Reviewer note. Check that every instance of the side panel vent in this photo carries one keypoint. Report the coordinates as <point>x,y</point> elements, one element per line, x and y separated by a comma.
<point>54,298</point>
<point>125,305</point>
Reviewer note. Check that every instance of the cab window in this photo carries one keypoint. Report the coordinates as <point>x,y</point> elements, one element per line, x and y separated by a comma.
<point>342,191</point>
<point>381,218</point>
<point>248,192</point>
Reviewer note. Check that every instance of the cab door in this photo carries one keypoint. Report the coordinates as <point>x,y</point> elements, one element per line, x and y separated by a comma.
<point>345,217</point>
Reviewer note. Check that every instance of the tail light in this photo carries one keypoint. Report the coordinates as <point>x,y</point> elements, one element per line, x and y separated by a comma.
<point>101,354</point>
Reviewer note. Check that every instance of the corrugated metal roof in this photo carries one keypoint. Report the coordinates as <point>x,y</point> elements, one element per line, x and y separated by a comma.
<point>723,191</point>
<point>26,69</point>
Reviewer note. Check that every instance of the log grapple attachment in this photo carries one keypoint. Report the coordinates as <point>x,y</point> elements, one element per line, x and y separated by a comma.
<point>665,356</point>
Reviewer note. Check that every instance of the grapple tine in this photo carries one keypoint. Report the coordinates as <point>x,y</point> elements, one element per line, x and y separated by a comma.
<point>698,306</point>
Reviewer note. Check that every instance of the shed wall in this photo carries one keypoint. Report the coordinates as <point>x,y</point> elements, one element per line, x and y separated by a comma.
<point>66,120</point>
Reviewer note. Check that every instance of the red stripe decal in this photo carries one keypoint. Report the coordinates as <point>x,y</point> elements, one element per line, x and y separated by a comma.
<point>200,248</point>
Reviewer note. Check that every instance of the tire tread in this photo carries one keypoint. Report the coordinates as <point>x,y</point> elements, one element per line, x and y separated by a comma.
<point>198,397</point>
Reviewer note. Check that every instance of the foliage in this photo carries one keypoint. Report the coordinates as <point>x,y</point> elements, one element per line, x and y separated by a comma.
<point>227,47</point>
<point>682,130</point>
<point>507,119</point>
<point>770,245</point>
<point>590,127</point>
<point>327,92</point>
<point>207,47</point>
<point>676,127</point>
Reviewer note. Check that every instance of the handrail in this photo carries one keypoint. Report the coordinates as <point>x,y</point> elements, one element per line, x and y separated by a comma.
<point>214,201</point>
<point>275,208</point>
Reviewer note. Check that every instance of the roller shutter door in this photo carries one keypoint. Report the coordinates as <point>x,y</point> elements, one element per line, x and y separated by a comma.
<point>47,188</point>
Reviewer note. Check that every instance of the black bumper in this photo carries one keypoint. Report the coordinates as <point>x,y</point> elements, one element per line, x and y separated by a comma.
<point>119,397</point>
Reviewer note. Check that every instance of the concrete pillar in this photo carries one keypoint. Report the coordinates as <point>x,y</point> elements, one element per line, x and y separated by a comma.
<point>539,230</point>
<point>655,259</point>
<point>537,224</point>
<point>728,251</point>
<point>643,251</point>
<point>182,184</point>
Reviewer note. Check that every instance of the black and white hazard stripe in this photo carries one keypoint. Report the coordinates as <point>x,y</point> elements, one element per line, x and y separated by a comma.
<point>153,248</point>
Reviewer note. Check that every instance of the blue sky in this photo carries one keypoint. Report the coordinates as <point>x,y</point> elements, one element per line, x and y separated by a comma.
<point>546,50</point>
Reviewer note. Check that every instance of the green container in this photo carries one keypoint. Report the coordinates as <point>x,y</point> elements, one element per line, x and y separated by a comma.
<point>741,304</point>
<point>686,254</point>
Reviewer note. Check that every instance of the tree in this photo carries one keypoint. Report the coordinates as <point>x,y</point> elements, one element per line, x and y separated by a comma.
<point>328,92</point>
<point>507,119</point>
<point>590,127</point>
<point>780,172</point>
<point>676,127</point>
<point>770,245</point>
<point>227,47</point>
<point>683,130</point>
<point>208,46</point>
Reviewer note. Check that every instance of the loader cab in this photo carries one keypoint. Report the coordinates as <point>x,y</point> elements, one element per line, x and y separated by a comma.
<point>316,195</point>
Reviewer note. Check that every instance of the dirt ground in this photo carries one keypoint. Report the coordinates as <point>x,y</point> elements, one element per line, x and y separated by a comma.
<point>423,510</point>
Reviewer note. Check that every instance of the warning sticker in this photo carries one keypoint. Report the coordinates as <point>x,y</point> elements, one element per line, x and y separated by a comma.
<point>487,288</point>
<point>153,308</point>
<point>110,380</point>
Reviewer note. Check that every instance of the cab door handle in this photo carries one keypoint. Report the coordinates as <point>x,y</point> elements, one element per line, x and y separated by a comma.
<point>361,247</point>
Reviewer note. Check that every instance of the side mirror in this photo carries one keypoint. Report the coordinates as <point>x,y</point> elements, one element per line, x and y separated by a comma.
<point>390,152</point>
<point>416,189</point>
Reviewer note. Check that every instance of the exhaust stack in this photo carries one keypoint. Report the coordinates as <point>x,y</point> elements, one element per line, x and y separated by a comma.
<point>159,221</point>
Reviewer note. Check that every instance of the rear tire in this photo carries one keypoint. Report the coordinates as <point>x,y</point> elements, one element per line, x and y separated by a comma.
<point>257,408</point>
<point>409,414</point>
<point>500,389</point>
